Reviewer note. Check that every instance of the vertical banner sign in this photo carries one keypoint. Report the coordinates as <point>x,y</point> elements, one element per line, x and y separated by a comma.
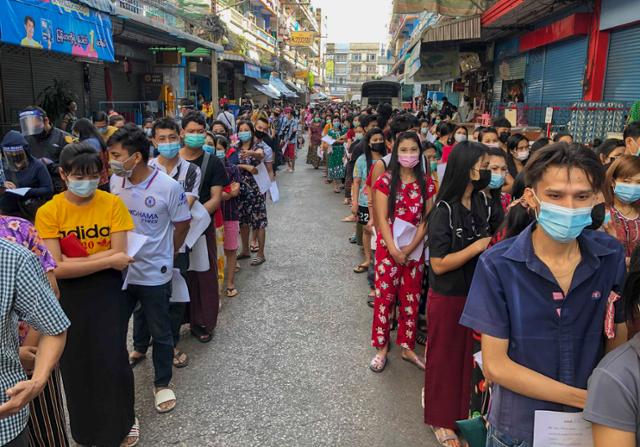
<point>301,39</point>
<point>57,25</point>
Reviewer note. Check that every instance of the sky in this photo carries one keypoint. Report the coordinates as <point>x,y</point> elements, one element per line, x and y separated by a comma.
<point>355,20</point>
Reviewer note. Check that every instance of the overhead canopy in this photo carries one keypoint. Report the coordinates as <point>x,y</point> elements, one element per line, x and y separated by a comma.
<point>319,97</point>
<point>280,87</point>
<point>451,8</point>
<point>265,89</point>
<point>461,29</point>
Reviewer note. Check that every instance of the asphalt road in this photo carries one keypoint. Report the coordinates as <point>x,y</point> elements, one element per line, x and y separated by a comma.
<point>288,365</point>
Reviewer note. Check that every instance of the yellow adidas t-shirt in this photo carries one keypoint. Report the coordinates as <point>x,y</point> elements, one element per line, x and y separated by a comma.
<point>92,223</point>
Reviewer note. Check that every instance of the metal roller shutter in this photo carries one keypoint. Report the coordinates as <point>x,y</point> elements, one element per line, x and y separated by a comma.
<point>48,66</point>
<point>533,77</point>
<point>564,71</point>
<point>622,80</point>
<point>97,93</point>
<point>16,81</point>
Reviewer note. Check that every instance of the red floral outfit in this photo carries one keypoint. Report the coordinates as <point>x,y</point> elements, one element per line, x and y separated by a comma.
<point>398,282</point>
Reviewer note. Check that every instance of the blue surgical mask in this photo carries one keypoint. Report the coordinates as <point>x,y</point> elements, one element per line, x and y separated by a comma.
<point>220,154</point>
<point>607,218</point>
<point>434,166</point>
<point>169,150</point>
<point>627,192</point>
<point>336,124</point>
<point>245,136</point>
<point>83,188</point>
<point>208,148</point>
<point>497,180</point>
<point>194,140</point>
<point>563,224</point>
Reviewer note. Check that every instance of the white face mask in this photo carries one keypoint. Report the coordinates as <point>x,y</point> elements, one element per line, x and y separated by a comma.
<point>459,137</point>
<point>522,156</point>
<point>495,145</point>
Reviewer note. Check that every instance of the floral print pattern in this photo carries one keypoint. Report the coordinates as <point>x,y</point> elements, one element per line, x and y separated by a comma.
<point>252,207</point>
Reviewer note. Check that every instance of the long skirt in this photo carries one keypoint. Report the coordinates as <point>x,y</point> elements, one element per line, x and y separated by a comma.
<point>449,362</point>
<point>47,422</point>
<point>336,168</point>
<point>97,377</point>
<point>203,288</point>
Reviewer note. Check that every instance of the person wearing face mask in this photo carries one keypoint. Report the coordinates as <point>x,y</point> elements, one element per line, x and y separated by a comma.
<point>517,153</point>
<point>160,211</point>
<point>147,127</point>
<point>498,168</point>
<point>315,135</point>
<point>444,129</point>
<point>631,137</point>
<point>288,133</point>
<point>22,170</point>
<point>459,135</point>
<point>402,193</point>
<point>424,130</point>
<point>489,137</point>
<point>459,229</point>
<point>101,122</point>
<point>540,344</point>
<point>100,399</point>
<point>357,133</point>
<point>503,128</point>
<point>265,141</point>
<point>336,170</point>
<point>85,130</point>
<point>622,197</point>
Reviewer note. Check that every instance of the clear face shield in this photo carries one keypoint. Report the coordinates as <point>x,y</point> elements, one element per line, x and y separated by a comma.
<point>14,158</point>
<point>31,123</point>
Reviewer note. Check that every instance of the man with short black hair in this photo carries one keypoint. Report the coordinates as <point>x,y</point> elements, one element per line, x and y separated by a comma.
<point>117,121</point>
<point>631,137</point>
<point>503,128</point>
<point>227,117</point>
<point>220,128</point>
<point>158,206</point>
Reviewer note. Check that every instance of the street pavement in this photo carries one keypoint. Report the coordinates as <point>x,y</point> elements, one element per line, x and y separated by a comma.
<point>288,365</point>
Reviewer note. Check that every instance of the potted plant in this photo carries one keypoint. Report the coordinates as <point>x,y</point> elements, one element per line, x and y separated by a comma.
<point>55,98</point>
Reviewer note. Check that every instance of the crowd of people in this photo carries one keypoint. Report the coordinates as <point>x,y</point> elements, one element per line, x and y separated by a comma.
<point>515,261</point>
<point>110,223</point>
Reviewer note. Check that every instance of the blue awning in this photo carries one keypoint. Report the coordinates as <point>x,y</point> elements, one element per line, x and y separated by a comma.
<point>265,89</point>
<point>252,71</point>
<point>279,85</point>
<point>101,5</point>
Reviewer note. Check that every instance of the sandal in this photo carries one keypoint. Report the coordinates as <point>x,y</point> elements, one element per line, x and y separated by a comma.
<point>370,300</point>
<point>201,335</point>
<point>378,363</point>
<point>133,433</point>
<point>421,337</point>
<point>444,438</point>
<point>254,248</point>
<point>133,361</point>
<point>180,359</point>
<point>231,292</point>
<point>237,269</point>
<point>415,361</point>
<point>258,261</point>
<point>164,396</point>
<point>361,268</point>
<point>243,256</point>
<point>350,218</point>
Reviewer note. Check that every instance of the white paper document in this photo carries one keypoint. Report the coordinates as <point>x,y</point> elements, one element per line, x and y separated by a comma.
<point>327,139</point>
<point>441,168</point>
<point>478,359</point>
<point>274,192</point>
<point>179,289</point>
<point>19,191</point>
<point>559,429</point>
<point>200,221</point>
<point>320,153</point>
<point>262,178</point>
<point>403,234</point>
<point>199,256</point>
<point>135,241</point>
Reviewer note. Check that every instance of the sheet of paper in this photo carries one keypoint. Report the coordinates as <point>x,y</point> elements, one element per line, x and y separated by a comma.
<point>558,429</point>
<point>135,241</point>
<point>262,178</point>
<point>199,256</point>
<point>320,153</point>
<point>327,139</point>
<point>200,221</point>
<point>274,192</point>
<point>179,289</point>
<point>478,358</point>
<point>19,191</point>
<point>403,234</point>
<point>441,168</point>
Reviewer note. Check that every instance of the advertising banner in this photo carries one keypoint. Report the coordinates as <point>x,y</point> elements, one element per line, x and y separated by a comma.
<point>57,25</point>
<point>301,39</point>
<point>252,71</point>
<point>443,65</point>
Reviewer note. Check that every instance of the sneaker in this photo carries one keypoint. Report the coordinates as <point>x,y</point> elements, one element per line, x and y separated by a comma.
<point>353,239</point>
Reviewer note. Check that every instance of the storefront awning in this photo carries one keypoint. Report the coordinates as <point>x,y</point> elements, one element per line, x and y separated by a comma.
<point>101,5</point>
<point>265,89</point>
<point>252,71</point>
<point>279,85</point>
<point>452,8</point>
<point>461,29</point>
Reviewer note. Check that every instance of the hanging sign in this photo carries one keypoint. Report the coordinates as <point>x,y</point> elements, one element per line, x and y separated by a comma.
<point>57,25</point>
<point>301,39</point>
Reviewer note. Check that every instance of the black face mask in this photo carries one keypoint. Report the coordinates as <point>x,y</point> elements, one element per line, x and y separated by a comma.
<point>260,134</point>
<point>504,136</point>
<point>483,181</point>
<point>380,148</point>
<point>597,216</point>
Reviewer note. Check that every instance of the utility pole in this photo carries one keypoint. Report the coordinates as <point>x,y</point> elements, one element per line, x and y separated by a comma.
<point>214,71</point>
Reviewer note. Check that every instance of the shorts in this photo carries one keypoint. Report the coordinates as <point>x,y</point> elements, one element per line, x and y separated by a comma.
<point>363,215</point>
<point>231,234</point>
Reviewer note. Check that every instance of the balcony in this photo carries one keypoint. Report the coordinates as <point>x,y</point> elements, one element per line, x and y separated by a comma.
<point>247,28</point>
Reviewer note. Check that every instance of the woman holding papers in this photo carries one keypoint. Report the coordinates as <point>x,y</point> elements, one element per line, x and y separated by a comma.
<point>460,229</point>
<point>251,204</point>
<point>402,199</point>
<point>85,229</point>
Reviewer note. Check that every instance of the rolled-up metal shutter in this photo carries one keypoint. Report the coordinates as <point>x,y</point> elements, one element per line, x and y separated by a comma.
<point>533,77</point>
<point>622,79</point>
<point>564,68</point>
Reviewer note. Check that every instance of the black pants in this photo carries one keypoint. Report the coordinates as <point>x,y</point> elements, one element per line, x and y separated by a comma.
<point>22,440</point>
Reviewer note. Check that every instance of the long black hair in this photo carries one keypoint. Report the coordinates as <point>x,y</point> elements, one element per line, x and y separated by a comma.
<point>86,130</point>
<point>367,147</point>
<point>456,178</point>
<point>394,171</point>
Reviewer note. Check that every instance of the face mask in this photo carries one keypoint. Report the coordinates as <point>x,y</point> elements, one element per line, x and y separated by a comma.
<point>494,145</point>
<point>483,181</point>
<point>117,167</point>
<point>434,166</point>
<point>328,121</point>
<point>336,124</point>
<point>522,156</point>
<point>497,180</point>
<point>194,140</point>
<point>103,130</point>
<point>220,154</point>
<point>316,120</point>
<point>244,136</point>
<point>408,161</point>
<point>504,136</point>
<point>599,217</point>
<point>82,188</point>
<point>208,148</point>
<point>459,137</point>
<point>563,224</point>
<point>356,124</point>
<point>148,131</point>
<point>260,134</point>
<point>169,150</point>
<point>379,148</point>
<point>627,192</point>
<point>424,130</point>
<point>359,136</point>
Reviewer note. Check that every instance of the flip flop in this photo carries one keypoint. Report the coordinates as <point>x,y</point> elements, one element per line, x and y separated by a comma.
<point>180,363</point>
<point>163,396</point>
<point>201,335</point>
<point>133,361</point>
<point>443,438</point>
<point>254,248</point>
<point>258,261</point>
<point>133,433</point>
<point>231,292</point>
<point>361,269</point>
<point>378,363</point>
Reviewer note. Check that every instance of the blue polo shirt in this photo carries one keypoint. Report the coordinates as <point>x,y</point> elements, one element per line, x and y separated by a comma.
<point>514,296</point>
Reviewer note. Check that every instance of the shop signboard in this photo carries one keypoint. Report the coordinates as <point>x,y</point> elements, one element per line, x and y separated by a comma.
<point>301,39</point>
<point>57,25</point>
<point>252,71</point>
<point>438,65</point>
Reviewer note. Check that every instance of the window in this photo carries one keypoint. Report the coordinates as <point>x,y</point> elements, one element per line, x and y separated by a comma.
<point>371,57</point>
<point>357,57</point>
<point>341,58</point>
<point>371,68</point>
